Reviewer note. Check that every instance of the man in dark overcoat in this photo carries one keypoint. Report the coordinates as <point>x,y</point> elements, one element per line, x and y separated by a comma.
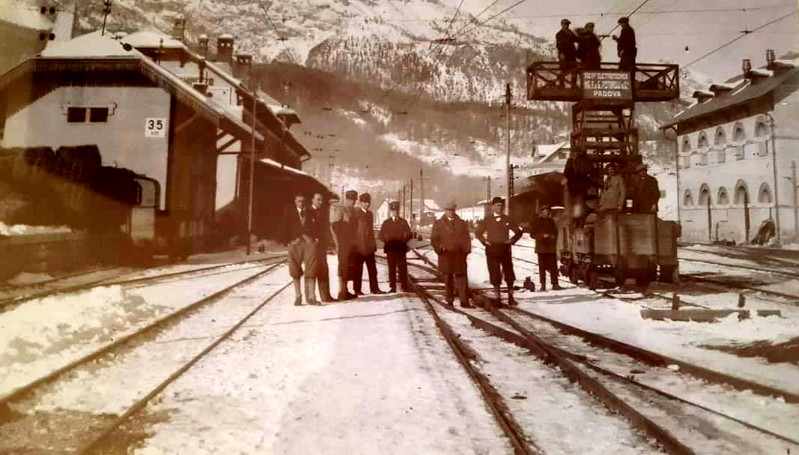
<point>365,247</point>
<point>395,233</point>
<point>494,233</point>
<point>545,234</point>
<point>300,231</point>
<point>646,191</point>
<point>566,42</point>
<point>322,216</point>
<point>344,229</point>
<point>626,46</point>
<point>452,243</point>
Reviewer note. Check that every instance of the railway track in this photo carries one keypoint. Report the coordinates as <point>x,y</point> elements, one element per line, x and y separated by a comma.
<point>602,367</point>
<point>38,293</point>
<point>173,341</point>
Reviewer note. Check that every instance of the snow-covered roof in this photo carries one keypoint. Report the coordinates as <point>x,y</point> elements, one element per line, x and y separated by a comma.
<point>226,36</point>
<point>547,151</point>
<point>153,39</point>
<point>89,45</point>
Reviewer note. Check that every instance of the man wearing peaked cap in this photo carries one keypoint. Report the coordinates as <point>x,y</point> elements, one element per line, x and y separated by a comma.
<point>545,233</point>
<point>365,247</point>
<point>626,46</point>
<point>494,233</point>
<point>566,44</point>
<point>344,228</point>
<point>395,233</point>
<point>452,243</point>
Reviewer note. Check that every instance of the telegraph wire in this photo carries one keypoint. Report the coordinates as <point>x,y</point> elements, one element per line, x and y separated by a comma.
<point>743,35</point>
<point>280,37</point>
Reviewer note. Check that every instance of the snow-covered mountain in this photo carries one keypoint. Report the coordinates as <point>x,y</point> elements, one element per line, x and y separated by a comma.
<point>399,84</point>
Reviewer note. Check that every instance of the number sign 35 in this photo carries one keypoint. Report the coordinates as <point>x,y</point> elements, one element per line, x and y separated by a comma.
<point>154,127</point>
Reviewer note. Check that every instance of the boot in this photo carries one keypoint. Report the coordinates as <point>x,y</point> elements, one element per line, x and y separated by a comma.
<point>324,290</point>
<point>343,294</point>
<point>497,297</point>
<point>543,287</point>
<point>556,287</point>
<point>511,300</point>
<point>310,291</point>
<point>297,292</point>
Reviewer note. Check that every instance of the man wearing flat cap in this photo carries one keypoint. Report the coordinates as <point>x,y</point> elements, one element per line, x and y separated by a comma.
<point>365,247</point>
<point>646,191</point>
<point>344,227</point>
<point>626,46</point>
<point>566,42</point>
<point>452,243</point>
<point>494,233</point>
<point>395,233</point>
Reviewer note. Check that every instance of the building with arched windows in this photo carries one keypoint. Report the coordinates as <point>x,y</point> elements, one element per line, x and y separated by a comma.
<point>731,141</point>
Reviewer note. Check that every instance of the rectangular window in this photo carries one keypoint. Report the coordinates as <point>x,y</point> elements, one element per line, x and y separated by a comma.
<point>76,114</point>
<point>98,114</point>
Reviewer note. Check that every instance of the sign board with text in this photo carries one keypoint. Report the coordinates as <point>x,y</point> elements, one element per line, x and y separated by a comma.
<point>607,85</point>
<point>155,127</point>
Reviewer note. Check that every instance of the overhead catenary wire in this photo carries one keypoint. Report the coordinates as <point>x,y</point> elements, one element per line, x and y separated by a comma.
<point>749,32</point>
<point>280,37</point>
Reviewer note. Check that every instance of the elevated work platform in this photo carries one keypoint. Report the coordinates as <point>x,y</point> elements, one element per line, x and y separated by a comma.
<point>649,82</point>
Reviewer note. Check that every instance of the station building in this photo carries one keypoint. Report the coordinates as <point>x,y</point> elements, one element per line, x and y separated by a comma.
<point>152,105</point>
<point>738,151</point>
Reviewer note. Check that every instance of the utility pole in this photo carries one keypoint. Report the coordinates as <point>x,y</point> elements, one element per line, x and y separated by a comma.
<point>776,182</point>
<point>404,203</point>
<point>507,155</point>
<point>488,189</point>
<point>252,167</point>
<point>410,207</point>
<point>421,196</point>
<point>795,202</point>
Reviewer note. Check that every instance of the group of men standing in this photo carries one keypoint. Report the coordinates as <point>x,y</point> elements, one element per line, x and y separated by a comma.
<point>584,45</point>
<point>452,243</point>
<point>349,226</point>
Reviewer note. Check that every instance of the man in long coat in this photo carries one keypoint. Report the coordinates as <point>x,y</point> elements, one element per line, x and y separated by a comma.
<point>344,229</point>
<point>614,192</point>
<point>322,216</point>
<point>494,233</point>
<point>365,247</point>
<point>565,42</point>
<point>395,233</point>
<point>452,243</point>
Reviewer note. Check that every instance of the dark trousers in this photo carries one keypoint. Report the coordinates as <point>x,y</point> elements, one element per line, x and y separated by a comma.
<point>627,60</point>
<point>371,269</point>
<point>454,282</point>
<point>345,253</point>
<point>500,262</point>
<point>547,262</point>
<point>322,271</point>
<point>397,262</point>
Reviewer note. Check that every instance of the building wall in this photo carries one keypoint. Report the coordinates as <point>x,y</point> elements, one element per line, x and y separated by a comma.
<point>121,139</point>
<point>733,165</point>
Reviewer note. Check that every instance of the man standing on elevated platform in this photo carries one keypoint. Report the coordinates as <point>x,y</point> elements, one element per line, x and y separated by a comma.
<point>626,46</point>
<point>566,41</point>
<point>614,193</point>
<point>646,192</point>
<point>588,48</point>
<point>494,233</point>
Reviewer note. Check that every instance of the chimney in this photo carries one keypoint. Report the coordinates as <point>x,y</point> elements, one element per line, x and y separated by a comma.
<point>719,90</point>
<point>702,96</point>
<point>747,67</point>
<point>202,41</point>
<point>224,48</point>
<point>179,29</point>
<point>770,58</point>
<point>242,65</point>
<point>752,75</point>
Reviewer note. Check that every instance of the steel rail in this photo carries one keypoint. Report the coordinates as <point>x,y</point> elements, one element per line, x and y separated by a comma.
<point>95,444</point>
<point>110,282</point>
<point>561,358</point>
<point>496,404</point>
<point>22,391</point>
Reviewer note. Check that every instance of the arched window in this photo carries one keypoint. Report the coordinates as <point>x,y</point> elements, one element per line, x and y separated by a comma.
<point>761,129</point>
<point>686,145</point>
<point>738,133</point>
<point>702,141</point>
<point>720,138</point>
<point>741,193</point>
<point>764,194</point>
<point>687,200</point>
<point>704,195</point>
<point>722,198</point>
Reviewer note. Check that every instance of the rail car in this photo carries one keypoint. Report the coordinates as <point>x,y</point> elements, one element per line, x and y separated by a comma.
<point>590,243</point>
